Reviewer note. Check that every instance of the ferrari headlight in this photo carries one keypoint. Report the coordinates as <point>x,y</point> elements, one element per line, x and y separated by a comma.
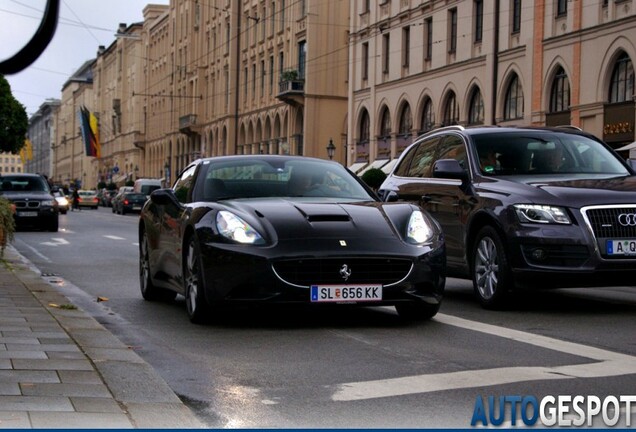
<point>236,229</point>
<point>419,229</point>
<point>543,214</point>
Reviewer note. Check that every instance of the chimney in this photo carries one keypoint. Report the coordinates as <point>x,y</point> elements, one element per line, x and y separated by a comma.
<point>122,28</point>
<point>100,50</point>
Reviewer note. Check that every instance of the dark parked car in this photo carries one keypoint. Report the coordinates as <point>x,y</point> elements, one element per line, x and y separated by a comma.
<point>280,229</point>
<point>129,202</point>
<point>35,205</point>
<point>533,207</point>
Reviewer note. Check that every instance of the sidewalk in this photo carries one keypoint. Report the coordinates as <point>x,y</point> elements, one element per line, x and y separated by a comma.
<point>60,368</point>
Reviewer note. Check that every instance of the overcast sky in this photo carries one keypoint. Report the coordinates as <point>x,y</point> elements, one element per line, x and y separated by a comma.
<point>82,27</point>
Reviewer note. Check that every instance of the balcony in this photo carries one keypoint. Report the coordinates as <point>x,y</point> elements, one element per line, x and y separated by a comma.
<point>188,124</point>
<point>291,89</point>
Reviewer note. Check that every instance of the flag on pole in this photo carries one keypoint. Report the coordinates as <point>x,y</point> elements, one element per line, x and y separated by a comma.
<point>90,132</point>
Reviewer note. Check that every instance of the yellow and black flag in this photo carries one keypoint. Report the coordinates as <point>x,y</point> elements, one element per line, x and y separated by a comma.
<point>90,132</point>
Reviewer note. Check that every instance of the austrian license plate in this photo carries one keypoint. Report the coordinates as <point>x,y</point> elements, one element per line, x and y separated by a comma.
<point>136,207</point>
<point>345,293</point>
<point>621,247</point>
<point>27,214</point>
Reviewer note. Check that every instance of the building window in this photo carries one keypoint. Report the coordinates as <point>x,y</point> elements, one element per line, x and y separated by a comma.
<point>560,93</point>
<point>302,56</point>
<point>476,110</point>
<point>364,127</point>
<point>385,124</point>
<point>385,53</point>
<point>428,119</point>
<point>254,80</point>
<point>281,63</point>
<point>516,16</point>
<point>365,61</point>
<point>479,20</point>
<point>513,106</point>
<point>406,121</point>
<point>451,110</point>
<point>272,29</point>
<point>303,8</point>
<point>562,7</point>
<point>452,35</point>
<point>263,78</point>
<point>428,44</point>
<point>247,80</point>
<point>271,74</point>
<point>622,84</point>
<point>406,46</point>
<point>366,6</point>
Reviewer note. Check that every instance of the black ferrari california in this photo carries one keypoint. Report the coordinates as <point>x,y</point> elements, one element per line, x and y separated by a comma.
<point>286,229</point>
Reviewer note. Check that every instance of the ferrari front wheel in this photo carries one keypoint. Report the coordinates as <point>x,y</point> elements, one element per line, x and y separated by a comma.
<point>196,303</point>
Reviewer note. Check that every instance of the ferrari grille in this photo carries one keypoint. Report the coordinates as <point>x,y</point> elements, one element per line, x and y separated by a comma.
<point>317,271</point>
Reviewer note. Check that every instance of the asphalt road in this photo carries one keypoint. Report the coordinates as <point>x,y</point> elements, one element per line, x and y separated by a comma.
<point>345,367</point>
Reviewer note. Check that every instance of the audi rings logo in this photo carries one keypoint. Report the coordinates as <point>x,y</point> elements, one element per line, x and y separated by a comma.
<point>627,219</point>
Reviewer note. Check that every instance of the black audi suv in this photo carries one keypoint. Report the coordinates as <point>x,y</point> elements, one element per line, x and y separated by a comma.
<point>524,207</point>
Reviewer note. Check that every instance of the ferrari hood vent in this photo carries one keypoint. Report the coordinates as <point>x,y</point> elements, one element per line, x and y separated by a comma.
<point>323,212</point>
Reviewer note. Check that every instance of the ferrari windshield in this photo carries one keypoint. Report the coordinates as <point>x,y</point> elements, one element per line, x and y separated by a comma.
<point>527,153</point>
<point>246,177</point>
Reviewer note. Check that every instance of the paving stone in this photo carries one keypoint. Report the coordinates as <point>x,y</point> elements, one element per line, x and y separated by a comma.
<point>52,364</point>
<point>66,355</point>
<point>35,403</point>
<point>5,364</point>
<point>24,376</point>
<point>95,405</point>
<point>54,341</point>
<point>35,334</point>
<point>14,420</point>
<point>75,420</point>
<point>66,347</point>
<point>65,389</point>
<point>80,377</point>
<point>19,340</point>
<point>9,389</point>
<point>22,355</point>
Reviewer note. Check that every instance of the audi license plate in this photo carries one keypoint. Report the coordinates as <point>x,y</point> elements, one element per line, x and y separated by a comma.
<point>621,247</point>
<point>27,214</point>
<point>345,293</point>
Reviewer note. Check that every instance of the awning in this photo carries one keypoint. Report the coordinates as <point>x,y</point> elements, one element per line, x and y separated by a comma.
<point>631,146</point>
<point>375,164</point>
<point>389,167</point>
<point>357,166</point>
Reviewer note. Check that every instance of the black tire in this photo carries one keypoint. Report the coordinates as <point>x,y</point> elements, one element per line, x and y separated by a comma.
<point>492,278</point>
<point>112,209</point>
<point>417,311</point>
<point>54,225</point>
<point>196,303</point>
<point>148,290</point>
<point>123,211</point>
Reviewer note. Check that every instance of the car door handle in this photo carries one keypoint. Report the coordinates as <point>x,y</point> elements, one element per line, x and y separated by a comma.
<point>426,198</point>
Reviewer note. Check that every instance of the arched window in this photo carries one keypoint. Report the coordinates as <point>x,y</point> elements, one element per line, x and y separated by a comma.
<point>513,107</point>
<point>560,94</point>
<point>451,110</point>
<point>622,85</point>
<point>476,110</point>
<point>385,123</point>
<point>406,120</point>
<point>364,127</point>
<point>428,119</point>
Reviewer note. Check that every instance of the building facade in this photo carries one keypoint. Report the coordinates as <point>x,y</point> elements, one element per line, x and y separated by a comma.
<point>10,164</point>
<point>41,133</point>
<point>418,65</point>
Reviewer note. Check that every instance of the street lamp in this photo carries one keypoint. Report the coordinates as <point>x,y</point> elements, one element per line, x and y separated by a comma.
<point>166,168</point>
<point>331,149</point>
<point>136,172</point>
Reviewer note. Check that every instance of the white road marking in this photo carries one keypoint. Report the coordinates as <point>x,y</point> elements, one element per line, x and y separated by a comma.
<point>56,242</point>
<point>37,252</point>
<point>607,364</point>
<point>112,237</point>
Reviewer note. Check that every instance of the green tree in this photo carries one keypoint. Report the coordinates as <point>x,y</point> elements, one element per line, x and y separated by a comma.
<point>374,178</point>
<point>13,120</point>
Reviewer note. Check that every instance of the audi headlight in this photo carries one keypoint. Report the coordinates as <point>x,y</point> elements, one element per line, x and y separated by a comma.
<point>419,228</point>
<point>544,214</point>
<point>236,229</point>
